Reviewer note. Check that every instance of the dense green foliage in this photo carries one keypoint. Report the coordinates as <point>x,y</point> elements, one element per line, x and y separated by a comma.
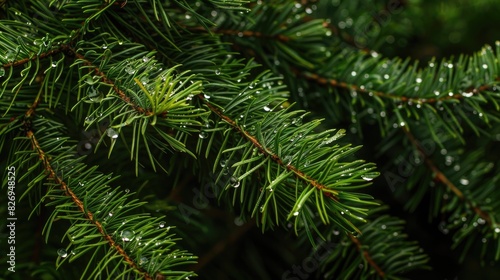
<point>149,139</point>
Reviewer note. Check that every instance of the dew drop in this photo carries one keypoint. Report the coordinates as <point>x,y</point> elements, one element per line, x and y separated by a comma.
<point>203,135</point>
<point>2,72</point>
<point>234,182</point>
<point>217,72</point>
<point>297,121</point>
<point>129,70</point>
<point>94,95</point>
<point>353,73</point>
<point>53,65</point>
<point>127,235</point>
<point>162,224</point>
<point>146,59</point>
<point>143,260</point>
<point>110,214</point>
<point>104,46</point>
<point>126,190</point>
<point>62,253</point>
<point>267,109</point>
<point>464,181</point>
<point>497,229</point>
<point>296,213</point>
<point>223,163</point>
<point>112,133</point>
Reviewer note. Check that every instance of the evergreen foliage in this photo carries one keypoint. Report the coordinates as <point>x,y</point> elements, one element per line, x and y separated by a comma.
<point>212,139</point>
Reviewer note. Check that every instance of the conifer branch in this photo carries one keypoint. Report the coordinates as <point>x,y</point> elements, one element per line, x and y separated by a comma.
<point>79,203</point>
<point>23,61</point>
<point>332,194</point>
<point>110,82</point>
<point>399,98</point>
<point>439,176</point>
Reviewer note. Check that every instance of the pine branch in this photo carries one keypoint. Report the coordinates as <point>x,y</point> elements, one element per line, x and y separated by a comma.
<point>81,206</point>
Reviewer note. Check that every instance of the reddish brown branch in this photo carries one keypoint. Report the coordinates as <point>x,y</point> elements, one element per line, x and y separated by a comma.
<point>90,216</point>
<point>439,176</point>
<point>33,58</point>
<point>403,99</point>
<point>367,256</point>
<point>110,82</point>
<point>298,173</point>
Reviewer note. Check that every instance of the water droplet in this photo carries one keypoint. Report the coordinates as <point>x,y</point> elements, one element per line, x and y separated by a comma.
<point>223,163</point>
<point>369,176</point>
<point>336,232</point>
<point>383,226</point>
<point>485,66</point>
<point>234,182</point>
<point>481,221</point>
<point>129,70</point>
<point>144,80</point>
<point>143,260</point>
<point>62,253</point>
<point>126,190</point>
<point>217,72</point>
<point>203,135</point>
<point>206,96</point>
<point>146,59</point>
<point>297,121</point>
<point>296,213</point>
<point>464,181</point>
<point>353,73</point>
<point>94,95</point>
<point>162,224</point>
<point>127,235</point>
<point>267,109</point>
<point>2,72</point>
<point>112,133</point>
<point>418,80</point>
<point>497,229</point>
<point>110,214</point>
<point>53,65</point>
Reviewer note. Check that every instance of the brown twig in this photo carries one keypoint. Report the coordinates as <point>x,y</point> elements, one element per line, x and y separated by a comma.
<point>439,176</point>
<point>403,99</point>
<point>298,173</point>
<point>367,256</point>
<point>76,200</point>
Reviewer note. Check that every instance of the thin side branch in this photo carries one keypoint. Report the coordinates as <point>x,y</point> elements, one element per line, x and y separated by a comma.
<point>402,99</point>
<point>298,173</point>
<point>441,177</point>
<point>367,256</point>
